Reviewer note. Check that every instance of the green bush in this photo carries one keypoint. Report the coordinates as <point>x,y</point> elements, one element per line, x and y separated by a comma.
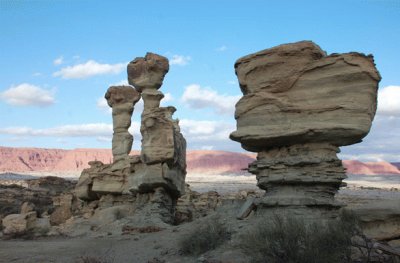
<point>291,240</point>
<point>211,234</point>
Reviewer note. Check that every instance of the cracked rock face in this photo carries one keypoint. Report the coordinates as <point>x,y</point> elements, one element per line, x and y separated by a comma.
<point>298,106</point>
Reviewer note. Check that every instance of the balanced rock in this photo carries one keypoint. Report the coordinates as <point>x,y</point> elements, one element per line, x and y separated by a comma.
<point>299,106</point>
<point>148,72</point>
<point>163,146</point>
<point>156,178</point>
<point>296,94</point>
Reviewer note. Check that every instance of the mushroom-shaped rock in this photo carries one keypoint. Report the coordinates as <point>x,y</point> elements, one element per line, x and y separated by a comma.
<point>148,72</point>
<point>295,93</point>
<point>298,106</point>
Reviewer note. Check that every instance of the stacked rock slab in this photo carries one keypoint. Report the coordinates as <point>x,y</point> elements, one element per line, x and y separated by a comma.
<point>157,177</point>
<point>163,146</point>
<point>299,106</point>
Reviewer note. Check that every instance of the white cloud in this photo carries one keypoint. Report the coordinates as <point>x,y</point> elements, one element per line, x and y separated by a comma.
<point>26,94</point>
<point>79,130</point>
<point>209,134</point>
<point>89,69</point>
<point>122,82</point>
<point>222,48</point>
<point>207,147</point>
<point>233,82</point>
<point>102,104</point>
<point>58,61</point>
<point>104,138</point>
<point>179,60</point>
<point>167,98</point>
<point>206,130</point>
<point>382,143</point>
<point>197,97</point>
<point>37,74</point>
<point>389,101</point>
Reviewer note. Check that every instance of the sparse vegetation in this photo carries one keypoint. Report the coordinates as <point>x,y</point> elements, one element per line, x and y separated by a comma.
<point>211,234</point>
<point>291,240</point>
<point>27,235</point>
<point>106,257</point>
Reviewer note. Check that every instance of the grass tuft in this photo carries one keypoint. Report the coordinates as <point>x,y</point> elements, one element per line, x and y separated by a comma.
<point>210,235</point>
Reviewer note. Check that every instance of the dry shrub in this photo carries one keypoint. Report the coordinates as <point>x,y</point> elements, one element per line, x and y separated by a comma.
<point>283,239</point>
<point>105,257</point>
<point>211,234</point>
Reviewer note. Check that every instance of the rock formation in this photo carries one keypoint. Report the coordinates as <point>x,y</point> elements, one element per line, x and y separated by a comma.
<point>122,100</point>
<point>299,106</point>
<point>163,146</point>
<point>156,177</point>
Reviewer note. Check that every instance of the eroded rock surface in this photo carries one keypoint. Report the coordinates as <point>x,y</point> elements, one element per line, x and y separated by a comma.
<point>298,106</point>
<point>156,177</point>
<point>122,100</point>
<point>163,146</point>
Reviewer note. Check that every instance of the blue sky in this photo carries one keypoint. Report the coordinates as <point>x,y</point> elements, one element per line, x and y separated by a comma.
<point>58,58</point>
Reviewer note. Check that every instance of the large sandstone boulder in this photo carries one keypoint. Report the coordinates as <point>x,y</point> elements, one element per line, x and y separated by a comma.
<point>296,93</point>
<point>15,224</point>
<point>148,72</point>
<point>298,106</point>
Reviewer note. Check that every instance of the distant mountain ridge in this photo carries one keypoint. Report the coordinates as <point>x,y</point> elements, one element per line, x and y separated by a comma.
<point>198,161</point>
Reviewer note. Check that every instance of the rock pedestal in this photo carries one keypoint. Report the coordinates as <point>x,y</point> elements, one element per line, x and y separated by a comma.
<point>122,100</point>
<point>163,146</point>
<point>156,178</point>
<point>298,106</point>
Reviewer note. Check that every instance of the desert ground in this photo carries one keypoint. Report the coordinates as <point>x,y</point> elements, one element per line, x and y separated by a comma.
<point>362,192</point>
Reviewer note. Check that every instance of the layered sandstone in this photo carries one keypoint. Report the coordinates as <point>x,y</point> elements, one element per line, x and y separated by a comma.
<point>299,106</point>
<point>163,146</point>
<point>156,177</point>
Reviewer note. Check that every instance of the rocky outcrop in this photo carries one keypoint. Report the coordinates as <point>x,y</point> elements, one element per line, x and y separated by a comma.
<point>299,106</point>
<point>37,193</point>
<point>156,177</point>
<point>27,211</point>
<point>18,224</point>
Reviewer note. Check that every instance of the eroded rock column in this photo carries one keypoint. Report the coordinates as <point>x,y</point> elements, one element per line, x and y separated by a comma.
<point>163,146</point>
<point>151,183</point>
<point>122,100</point>
<point>299,106</point>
